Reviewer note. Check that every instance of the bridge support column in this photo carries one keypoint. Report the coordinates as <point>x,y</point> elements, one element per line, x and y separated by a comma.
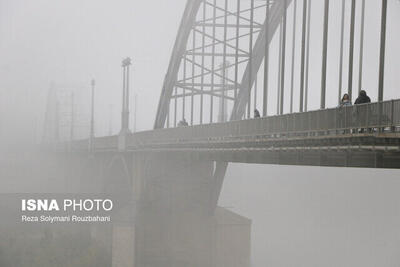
<point>163,217</point>
<point>123,245</point>
<point>173,224</point>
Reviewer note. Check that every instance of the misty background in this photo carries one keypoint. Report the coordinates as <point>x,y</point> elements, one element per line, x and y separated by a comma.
<point>302,216</point>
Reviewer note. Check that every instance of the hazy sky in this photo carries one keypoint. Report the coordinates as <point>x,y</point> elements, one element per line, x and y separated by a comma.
<point>306,219</point>
<point>71,42</point>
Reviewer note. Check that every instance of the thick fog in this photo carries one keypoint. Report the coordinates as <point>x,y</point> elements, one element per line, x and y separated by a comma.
<point>68,43</point>
<point>301,216</point>
<point>71,42</point>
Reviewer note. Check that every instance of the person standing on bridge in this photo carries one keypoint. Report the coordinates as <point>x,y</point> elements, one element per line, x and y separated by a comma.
<point>362,98</point>
<point>256,114</point>
<point>361,112</point>
<point>345,101</point>
<point>183,123</point>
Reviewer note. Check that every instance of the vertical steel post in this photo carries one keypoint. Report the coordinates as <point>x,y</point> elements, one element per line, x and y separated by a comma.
<point>123,94</point>
<point>308,56</point>
<point>361,57</point>
<point>213,61</point>
<point>324,54</point>
<point>341,52</point>
<point>184,90</point>
<point>293,53</point>
<point>382,51</point>
<point>224,65</point>
<point>283,58</point>
<point>250,57</point>
<point>392,126</point>
<point>193,74</point>
<point>237,48</point>
<point>127,93</point>
<point>255,94</point>
<point>303,52</point>
<point>222,115</point>
<point>279,69</point>
<point>202,61</point>
<point>266,61</point>
<point>135,114</point>
<point>351,48</point>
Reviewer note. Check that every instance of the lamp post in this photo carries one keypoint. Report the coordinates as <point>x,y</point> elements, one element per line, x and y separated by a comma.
<point>126,63</point>
<point>125,96</point>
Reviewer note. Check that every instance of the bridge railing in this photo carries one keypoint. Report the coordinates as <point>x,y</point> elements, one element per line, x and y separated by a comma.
<point>334,121</point>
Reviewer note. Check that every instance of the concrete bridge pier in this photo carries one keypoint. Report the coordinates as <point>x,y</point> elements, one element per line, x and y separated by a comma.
<point>124,228</point>
<point>172,223</point>
<point>162,215</point>
<point>123,245</point>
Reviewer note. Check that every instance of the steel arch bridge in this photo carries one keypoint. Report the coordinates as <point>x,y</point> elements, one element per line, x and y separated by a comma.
<point>222,49</point>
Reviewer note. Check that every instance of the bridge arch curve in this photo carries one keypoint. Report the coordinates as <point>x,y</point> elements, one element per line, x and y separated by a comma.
<point>189,72</point>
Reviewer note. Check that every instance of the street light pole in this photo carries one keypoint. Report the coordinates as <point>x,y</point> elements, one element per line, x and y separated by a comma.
<point>125,101</point>
<point>125,105</point>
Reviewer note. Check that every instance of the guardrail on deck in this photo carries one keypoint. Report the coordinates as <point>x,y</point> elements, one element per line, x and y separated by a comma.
<point>336,121</point>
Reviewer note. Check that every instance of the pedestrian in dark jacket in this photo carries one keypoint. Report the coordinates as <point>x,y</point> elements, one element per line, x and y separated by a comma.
<point>362,98</point>
<point>362,111</point>
<point>256,114</point>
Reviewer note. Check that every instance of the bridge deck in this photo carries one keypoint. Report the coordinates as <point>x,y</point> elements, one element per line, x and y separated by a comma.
<point>359,136</point>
